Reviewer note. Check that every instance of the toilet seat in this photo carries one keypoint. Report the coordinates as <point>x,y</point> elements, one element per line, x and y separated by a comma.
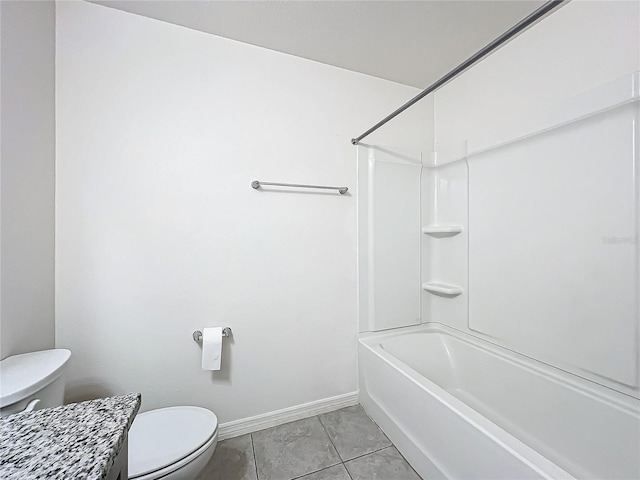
<point>163,440</point>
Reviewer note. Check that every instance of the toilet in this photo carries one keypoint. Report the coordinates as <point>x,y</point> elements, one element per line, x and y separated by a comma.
<point>173,443</point>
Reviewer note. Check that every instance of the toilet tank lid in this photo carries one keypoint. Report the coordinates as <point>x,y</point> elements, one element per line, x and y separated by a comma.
<point>25,374</point>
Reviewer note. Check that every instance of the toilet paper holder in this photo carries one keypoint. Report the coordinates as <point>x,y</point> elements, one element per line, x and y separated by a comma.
<point>197,335</point>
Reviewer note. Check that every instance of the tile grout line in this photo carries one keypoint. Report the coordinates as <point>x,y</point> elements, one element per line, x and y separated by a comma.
<point>410,466</point>
<point>334,446</point>
<point>255,462</point>
<point>371,452</point>
<point>340,462</point>
<point>329,437</point>
<point>347,470</point>
<point>391,444</point>
<point>317,471</point>
<point>374,422</point>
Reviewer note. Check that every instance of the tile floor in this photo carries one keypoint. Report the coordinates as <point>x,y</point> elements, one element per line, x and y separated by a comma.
<point>341,445</point>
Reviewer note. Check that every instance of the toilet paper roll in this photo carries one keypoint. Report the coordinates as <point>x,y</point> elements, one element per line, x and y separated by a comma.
<point>211,348</point>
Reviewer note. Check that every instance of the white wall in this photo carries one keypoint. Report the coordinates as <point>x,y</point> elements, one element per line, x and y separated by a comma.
<point>160,131</point>
<point>28,149</point>
<point>540,278</point>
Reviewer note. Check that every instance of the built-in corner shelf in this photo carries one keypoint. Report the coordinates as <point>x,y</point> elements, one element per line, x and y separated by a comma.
<point>442,230</point>
<point>442,289</point>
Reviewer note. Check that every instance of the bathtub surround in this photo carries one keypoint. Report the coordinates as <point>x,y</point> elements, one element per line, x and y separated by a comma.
<point>537,193</point>
<point>388,237</point>
<point>160,132</point>
<point>535,168</point>
<point>28,150</point>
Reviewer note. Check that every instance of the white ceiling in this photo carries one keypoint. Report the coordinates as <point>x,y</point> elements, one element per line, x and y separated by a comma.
<point>410,42</point>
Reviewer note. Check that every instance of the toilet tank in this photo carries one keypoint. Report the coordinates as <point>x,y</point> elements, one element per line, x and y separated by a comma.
<point>32,380</point>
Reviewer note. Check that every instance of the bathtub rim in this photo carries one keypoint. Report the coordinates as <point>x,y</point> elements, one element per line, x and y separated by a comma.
<point>616,399</point>
<point>525,454</point>
<point>516,447</point>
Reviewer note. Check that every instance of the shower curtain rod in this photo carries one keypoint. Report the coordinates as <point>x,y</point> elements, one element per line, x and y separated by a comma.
<point>513,31</point>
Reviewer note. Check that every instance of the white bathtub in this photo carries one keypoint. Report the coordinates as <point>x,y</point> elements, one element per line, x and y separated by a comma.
<point>459,407</point>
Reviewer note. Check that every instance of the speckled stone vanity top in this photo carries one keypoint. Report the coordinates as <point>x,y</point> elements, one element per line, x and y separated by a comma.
<point>76,441</point>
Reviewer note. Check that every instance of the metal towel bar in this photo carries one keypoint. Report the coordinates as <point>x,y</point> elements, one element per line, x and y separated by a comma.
<point>256,184</point>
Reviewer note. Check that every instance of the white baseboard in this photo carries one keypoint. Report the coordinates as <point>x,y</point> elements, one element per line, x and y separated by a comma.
<point>286,415</point>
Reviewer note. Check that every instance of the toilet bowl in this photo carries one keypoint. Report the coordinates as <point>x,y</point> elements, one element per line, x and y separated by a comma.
<point>173,443</point>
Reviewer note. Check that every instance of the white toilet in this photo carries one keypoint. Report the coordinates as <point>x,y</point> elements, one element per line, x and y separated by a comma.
<point>173,443</point>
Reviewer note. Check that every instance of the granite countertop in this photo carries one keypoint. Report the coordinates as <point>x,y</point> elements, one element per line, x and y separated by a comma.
<point>79,440</point>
